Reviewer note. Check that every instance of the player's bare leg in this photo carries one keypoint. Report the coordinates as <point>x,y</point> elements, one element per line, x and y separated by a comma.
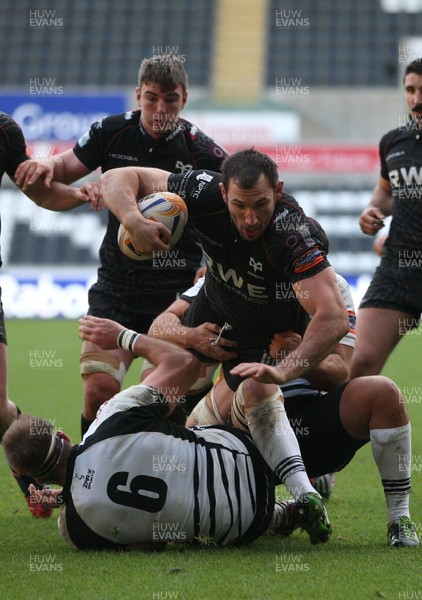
<point>378,331</point>
<point>103,372</point>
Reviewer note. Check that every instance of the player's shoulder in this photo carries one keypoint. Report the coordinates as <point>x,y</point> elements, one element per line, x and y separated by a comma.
<point>292,232</point>
<point>114,123</point>
<point>110,126</point>
<point>200,140</point>
<point>197,181</point>
<point>286,211</point>
<point>290,200</point>
<point>191,130</point>
<point>345,290</point>
<point>395,135</point>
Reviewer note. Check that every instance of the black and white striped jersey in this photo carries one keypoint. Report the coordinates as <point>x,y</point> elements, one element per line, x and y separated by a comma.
<point>137,478</point>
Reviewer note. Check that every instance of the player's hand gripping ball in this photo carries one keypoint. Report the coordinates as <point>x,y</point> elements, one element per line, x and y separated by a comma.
<point>166,208</point>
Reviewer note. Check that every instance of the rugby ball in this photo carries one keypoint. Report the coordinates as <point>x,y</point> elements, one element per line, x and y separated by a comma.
<point>166,208</point>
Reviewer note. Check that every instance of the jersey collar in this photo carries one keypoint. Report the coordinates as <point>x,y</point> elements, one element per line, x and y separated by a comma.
<point>179,127</point>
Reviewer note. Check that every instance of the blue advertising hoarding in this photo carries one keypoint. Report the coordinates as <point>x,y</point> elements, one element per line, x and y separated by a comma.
<point>58,117</point>
<point>50,296</point>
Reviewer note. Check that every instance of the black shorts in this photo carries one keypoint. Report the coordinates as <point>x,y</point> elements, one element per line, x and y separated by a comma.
<point>325,445</point>
<point>129,308</point>
<point>251,347</point>
<point>3,338</point>
<point>395,287</point>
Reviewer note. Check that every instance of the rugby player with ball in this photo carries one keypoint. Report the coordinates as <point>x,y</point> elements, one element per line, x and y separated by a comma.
<point>134,292</point>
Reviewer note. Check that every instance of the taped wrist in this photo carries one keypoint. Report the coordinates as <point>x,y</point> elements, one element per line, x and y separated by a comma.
<point>127,339</point>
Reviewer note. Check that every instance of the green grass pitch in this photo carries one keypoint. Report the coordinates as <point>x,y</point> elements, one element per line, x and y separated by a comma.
<point>356,563</point>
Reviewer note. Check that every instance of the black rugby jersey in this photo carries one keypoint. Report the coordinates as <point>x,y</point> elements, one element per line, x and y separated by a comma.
<point>12,147</point>
<point>249,284</point>
<point>401,165</point>
<point>121,141</point>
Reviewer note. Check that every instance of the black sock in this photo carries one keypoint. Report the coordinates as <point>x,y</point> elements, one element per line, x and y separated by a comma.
<point>85,423</point>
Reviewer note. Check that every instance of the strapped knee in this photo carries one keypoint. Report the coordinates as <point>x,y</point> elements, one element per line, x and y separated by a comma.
<point>102,362</point>
<point>239,414</point>
<point>206,411</point>
<point>238,406</point>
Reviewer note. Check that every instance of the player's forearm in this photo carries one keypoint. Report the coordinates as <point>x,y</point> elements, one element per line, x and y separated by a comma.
<point>176,369</point>
<point>59,197</point>
<point>372,217</point>
<point>382,199</point>
<point>120,189</point>
<point>59,168</point>
<point>323,332</point>
<point>168,327</point>
<point>163,352</point>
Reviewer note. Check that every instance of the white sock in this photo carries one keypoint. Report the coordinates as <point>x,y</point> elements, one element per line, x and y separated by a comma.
<point>392,453</point>
<point>276,441</point>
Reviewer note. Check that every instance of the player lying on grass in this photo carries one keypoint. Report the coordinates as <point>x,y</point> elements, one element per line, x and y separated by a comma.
<point>332,418</point>
<point>138,479</point>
